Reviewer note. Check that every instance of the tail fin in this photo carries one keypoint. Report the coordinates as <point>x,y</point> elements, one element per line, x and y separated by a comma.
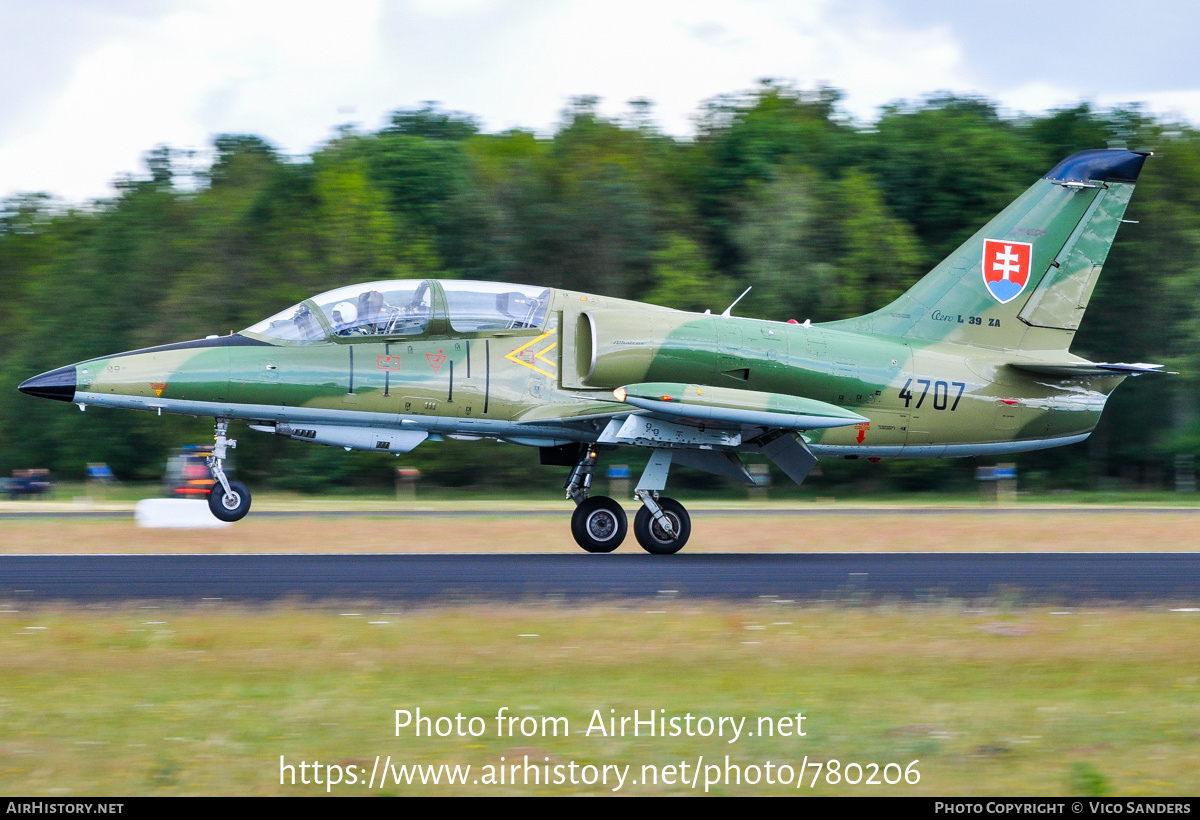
<point>1025,279</point>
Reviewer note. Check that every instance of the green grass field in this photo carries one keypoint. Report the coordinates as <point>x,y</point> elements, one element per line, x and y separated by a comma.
<point>128,701</point>
<point>1004,701</point>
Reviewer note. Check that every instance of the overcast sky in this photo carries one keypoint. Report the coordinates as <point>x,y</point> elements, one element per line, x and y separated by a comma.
<point>87,87</point>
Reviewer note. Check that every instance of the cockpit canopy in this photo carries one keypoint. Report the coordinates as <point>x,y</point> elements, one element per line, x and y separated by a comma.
<point>406,308</point>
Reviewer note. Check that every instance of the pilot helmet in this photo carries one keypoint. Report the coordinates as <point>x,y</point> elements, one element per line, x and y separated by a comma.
<point>344,313</point>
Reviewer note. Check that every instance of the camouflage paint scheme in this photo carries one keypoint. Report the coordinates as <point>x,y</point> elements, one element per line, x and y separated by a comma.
<point>945,370</point>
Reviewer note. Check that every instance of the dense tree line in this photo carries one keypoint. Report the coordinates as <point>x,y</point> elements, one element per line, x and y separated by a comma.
<point>826,219</point>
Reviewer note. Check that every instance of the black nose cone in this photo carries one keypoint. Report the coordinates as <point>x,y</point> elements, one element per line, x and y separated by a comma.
<point>57,384</point>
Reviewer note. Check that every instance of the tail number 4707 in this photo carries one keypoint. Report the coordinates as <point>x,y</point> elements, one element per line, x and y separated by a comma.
<point>941,393</point>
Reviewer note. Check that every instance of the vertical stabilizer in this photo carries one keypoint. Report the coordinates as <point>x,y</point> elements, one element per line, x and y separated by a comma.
<point>1024,280</point>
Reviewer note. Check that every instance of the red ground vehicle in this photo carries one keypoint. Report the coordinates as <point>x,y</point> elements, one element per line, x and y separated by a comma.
<point>187,474</point>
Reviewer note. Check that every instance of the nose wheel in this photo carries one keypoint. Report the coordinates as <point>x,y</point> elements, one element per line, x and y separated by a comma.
<point>231,504</point>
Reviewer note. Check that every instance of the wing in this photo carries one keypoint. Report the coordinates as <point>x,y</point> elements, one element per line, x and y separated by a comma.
<point>704,427</point>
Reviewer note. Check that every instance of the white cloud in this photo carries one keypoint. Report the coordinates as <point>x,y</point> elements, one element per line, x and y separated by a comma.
<point>291,72</point>
<point>676,54</point>
<point>451,9</point>
<point>1038,96</point>
<point>211,67</point>
<point>1170,105</point>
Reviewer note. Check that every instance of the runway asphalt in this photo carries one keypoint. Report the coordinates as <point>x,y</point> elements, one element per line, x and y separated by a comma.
<point>1063,578</point>
<point>696,513</point>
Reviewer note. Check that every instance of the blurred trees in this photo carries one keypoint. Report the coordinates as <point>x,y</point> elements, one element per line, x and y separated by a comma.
<point>824,218</point>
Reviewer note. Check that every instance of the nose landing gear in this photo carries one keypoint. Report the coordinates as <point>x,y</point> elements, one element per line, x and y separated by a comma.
<point>228,500</point>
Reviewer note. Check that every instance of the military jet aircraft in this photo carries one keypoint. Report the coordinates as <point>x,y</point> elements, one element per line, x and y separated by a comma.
<point>973,360</point>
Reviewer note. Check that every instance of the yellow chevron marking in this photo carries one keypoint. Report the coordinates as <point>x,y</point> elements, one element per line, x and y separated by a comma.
<point>552,362</point>
<point>515,356</point>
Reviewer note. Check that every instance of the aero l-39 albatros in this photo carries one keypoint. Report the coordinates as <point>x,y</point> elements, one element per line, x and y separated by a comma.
<point>973,360</point>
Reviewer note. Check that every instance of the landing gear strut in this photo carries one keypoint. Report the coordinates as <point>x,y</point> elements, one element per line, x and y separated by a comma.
<point>599,524</point>
<point>228,500</point>
<point>662,525</point>
<point>580,479</point>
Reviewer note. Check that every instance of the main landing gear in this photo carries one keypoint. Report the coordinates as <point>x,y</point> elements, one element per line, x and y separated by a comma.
<point>228,500</point>
<point>599,523</point>
<point>662,526</point>
<point>666,533</point>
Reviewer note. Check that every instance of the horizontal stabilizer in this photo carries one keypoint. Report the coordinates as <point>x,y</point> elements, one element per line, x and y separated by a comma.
<point>1083,368</point>
<point>727,405</point>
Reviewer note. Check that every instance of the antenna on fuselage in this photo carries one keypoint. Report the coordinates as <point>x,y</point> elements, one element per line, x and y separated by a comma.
<point>735,301</point>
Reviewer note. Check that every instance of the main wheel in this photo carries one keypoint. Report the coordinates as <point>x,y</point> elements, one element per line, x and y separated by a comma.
<point>651,535</point>
<point>599,524</point>
<point>231,507</point>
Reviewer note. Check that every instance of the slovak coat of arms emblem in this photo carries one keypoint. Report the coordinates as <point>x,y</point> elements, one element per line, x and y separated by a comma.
<point>1006,268</point>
